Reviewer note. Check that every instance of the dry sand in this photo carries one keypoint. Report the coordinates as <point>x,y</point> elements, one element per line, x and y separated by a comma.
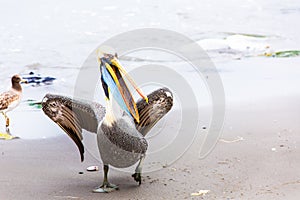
<point>263,165</point>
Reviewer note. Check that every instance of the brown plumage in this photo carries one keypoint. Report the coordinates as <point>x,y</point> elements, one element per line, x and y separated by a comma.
<point>11,99</point>
<point>160,102</point>
<point>7,98</point>
<point>13,95</point>
<point>75,115</point>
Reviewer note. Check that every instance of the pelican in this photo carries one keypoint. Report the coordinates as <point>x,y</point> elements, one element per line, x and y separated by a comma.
<point>120,127</point>
<point>9,100</point>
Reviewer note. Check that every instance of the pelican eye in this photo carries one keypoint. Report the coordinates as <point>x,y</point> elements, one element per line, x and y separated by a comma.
<point>53,104</point>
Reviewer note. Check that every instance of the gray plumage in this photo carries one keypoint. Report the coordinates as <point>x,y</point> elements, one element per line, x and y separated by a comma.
<point>120,145</point>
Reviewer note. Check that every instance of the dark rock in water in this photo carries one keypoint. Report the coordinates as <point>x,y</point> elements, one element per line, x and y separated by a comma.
<point>37,79</point>
<point>48,80</point>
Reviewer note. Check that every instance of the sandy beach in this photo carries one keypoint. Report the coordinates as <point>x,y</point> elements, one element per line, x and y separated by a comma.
<point>255,158</point>
<point>252,46</point>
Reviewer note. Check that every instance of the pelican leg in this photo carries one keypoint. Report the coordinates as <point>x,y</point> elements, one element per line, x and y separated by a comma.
<point>138,171</point>
<point>106,187</point>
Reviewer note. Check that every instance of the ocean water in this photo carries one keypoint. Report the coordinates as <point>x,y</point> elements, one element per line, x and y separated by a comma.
<point>54,38</point>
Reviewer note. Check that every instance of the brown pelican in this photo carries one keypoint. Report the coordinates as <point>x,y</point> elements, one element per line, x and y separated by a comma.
<point>120,127</point>
<point>10,100</point>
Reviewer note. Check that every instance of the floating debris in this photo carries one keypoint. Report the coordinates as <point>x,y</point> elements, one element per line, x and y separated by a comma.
<point>291,53</point>
<point>248,34</point>
<point>283,54</point>
<point>34,103</point>
<point>200,193</point>
<point>37,79</point>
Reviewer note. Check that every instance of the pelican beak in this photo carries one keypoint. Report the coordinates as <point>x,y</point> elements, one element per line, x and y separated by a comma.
<point>115,62</point>
<point>113,74</point>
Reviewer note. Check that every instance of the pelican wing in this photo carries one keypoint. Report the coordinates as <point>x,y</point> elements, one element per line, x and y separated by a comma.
<point>159,104</point>
<point>73,116</point>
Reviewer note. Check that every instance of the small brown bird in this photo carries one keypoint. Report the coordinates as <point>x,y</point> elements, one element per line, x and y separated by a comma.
<point>10,100</point>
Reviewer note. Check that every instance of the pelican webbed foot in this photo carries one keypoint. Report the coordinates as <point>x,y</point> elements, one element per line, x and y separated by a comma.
<point>137,177</point>
<point>106,188</point>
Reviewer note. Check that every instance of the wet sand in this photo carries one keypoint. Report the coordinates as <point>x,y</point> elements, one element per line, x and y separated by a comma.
<point>257,157</point>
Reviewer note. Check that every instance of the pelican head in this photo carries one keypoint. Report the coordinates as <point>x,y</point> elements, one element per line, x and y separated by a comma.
<point>50,105</point>
<point>114,85</point>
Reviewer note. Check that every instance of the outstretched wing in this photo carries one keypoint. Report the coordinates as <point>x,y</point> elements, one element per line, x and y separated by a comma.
<point>160,103</point>
<point>73,116</point>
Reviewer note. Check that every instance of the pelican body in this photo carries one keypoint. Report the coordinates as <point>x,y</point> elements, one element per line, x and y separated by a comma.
<point>120,127</point>
<point>120,144</point>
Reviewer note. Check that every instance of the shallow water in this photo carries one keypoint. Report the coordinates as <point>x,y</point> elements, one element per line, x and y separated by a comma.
<point>64,33</point>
